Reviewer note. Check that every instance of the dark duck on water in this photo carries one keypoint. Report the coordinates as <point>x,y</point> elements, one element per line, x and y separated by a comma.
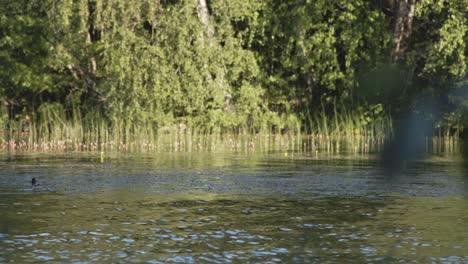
<point>37,186</point>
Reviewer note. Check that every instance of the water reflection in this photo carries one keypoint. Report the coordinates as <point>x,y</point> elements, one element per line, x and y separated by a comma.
<point>226,209</point>
<point>301,176</point>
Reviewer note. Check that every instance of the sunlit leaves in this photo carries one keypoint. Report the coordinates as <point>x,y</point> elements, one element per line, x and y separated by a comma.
<point>312,49</point>
<point>445,28</point>
<point>265,61</point>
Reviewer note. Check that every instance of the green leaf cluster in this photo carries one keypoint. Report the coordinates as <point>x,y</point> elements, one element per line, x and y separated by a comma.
<point>254,65</point>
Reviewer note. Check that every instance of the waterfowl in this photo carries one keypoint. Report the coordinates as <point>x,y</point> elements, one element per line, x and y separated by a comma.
<point>33,182</point>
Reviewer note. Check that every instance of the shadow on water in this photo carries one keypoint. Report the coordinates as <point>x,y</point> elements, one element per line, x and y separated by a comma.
<point>409,143</point>
<point>419,110</point>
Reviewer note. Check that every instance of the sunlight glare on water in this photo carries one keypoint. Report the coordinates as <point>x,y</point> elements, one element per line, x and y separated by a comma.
<point>223,208</point>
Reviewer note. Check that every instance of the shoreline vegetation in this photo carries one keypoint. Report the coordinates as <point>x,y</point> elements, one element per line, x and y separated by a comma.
<point>242,143</point>
<point>331,137</point>
<point>140,75</point>
<point>180,137</point>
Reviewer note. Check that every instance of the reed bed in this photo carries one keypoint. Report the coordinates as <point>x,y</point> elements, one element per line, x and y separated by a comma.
<point>71,137</point>
<point>203,142</point>
<point>332,133</point>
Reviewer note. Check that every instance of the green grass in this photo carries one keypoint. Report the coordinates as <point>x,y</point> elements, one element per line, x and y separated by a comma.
<point>334,132</point>
<point>58,134</point>
<point>351,131</point>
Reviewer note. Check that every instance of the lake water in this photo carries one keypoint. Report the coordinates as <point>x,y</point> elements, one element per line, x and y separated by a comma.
<point>230,208</point>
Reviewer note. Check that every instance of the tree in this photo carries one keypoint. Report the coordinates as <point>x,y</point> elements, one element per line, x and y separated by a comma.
<point>310,50</point>
<point>404,13</point>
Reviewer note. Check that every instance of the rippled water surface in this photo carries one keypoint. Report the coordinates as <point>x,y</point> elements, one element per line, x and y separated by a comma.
<point>230,208</point>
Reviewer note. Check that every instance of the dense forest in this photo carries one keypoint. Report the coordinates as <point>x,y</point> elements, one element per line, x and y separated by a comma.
<point>241,66</point>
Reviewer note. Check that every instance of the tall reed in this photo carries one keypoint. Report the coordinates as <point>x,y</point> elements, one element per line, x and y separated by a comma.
<point>339,130</point>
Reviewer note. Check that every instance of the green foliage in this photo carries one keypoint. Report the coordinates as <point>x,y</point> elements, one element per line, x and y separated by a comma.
<point>441,37</point>
<point>23,54</point>
<point>311,49</point>
<point>116,66</point>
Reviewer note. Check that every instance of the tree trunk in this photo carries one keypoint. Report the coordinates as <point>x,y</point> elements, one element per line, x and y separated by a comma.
<point>92,60</point>
<point>93,64</point>
<point>204,15</point>
<point>403,28</point>
<point>308,75</point>
<point>207,35</point>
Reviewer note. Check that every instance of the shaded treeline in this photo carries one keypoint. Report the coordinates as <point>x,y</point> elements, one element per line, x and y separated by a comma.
<point>110,70</point>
